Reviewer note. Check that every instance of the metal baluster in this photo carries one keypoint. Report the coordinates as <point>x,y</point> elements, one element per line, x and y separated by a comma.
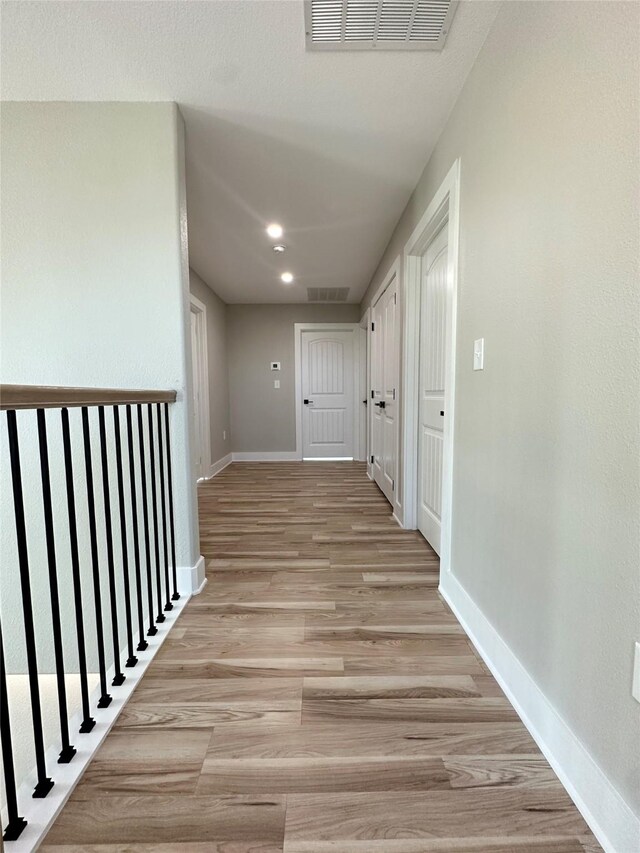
<point>163,506</point>
<point>68,751</point>
<point>145,518</point>
<point>119,677</point>
<point>105,698</point>
<point>154,506</point>
<point>44,784</point>
<point>15,824</point>
<point>176,594</point>
<point>132,660</point>
<point>87,720</point>
<point>142,643</point>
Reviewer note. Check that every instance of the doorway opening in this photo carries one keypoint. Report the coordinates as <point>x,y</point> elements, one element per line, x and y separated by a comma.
<point>200,390</point>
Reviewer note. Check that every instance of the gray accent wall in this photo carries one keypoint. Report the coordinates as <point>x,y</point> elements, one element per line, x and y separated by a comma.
<point>262,417</point>
<point>219,411</point>
<point>546,490</point>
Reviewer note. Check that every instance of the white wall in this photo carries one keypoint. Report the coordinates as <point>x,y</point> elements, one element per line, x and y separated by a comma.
<point>219,412</point>
<point>546,482</point>
<point>94,268</point>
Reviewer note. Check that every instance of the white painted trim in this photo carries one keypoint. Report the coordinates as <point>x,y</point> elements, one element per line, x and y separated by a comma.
<point>265,456</point>
<point>365,323</point>
<point>329,459</point>
<point>397,520</point>
<point>393,272</point>
<point>202,586</point>
<point>610,818</point>
<point>190,577</point>
<point>220,465</point>
<point>444,205</point>
<point>298,329</point>
<point>200,310</point>
<point>42,813</point>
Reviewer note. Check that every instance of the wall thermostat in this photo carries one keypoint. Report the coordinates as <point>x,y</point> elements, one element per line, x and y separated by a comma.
<point>275,365</point>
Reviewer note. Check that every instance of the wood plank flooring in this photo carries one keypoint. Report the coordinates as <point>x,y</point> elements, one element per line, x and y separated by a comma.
<point>317,697</point>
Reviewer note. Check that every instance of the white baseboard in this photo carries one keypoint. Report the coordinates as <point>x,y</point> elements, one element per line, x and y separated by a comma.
<point>397,519</point>
<point>220,465</point>
<point>41,813</point>
<point>201,587</point>
<point>191,578</point>
<point>266,456</point>
<point>608,815</point>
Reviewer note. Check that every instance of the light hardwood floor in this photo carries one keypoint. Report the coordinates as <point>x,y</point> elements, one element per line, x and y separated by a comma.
<point>317,697</point>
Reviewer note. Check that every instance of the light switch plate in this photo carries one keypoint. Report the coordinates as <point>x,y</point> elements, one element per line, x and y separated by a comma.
<point>635,689</point>
<point>478,354</point>
<point>275,365</point>
<point>276,383</point>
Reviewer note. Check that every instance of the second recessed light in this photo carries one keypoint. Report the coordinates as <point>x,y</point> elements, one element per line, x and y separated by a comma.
<point>274,230</point>
<point>287,277</point>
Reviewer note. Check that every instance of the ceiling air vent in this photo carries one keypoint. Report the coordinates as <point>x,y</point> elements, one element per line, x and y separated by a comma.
<point>381,24</point>
<point>327,294</point>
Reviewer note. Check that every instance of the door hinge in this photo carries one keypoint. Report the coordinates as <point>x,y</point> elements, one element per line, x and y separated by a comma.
<point>372,460</point>
<point>373,394</point>
<point>393,485</point>
<point>395,298</point>
<point>394,393</point>
<point>373,327</point>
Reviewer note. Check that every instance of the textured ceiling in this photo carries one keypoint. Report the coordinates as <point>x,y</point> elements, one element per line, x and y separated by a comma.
<point>328,144</point>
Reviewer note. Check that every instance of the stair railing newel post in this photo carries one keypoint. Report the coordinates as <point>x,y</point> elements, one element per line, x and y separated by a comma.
<point>68,751</point>
<point>44,783</point>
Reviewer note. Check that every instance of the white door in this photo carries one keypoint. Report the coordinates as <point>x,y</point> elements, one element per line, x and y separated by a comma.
<point>328,390</point>
<point>433,343</point>
<point>384,392</point>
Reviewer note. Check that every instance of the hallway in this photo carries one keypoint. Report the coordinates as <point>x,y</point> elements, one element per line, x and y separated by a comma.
<point>317,696</point>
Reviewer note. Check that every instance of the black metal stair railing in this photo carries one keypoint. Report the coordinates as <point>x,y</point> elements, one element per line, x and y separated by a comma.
<point>108,585</point>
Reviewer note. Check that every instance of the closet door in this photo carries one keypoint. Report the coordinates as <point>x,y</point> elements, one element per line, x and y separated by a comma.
<point>384,386</point>
<point>433,316</point>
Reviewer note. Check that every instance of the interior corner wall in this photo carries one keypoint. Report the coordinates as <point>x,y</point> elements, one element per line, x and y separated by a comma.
<point>263,418</point>
<point>219,411</point>
<point>94,260</point>
<point>546,476</point>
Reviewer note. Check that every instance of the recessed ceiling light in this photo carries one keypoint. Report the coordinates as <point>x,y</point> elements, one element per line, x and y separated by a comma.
<point>274,230</point>
<point>279,248</point>
<point>287,277</point>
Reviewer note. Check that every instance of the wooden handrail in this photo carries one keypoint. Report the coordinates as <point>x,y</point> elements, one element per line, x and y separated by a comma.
<point>53,397</point>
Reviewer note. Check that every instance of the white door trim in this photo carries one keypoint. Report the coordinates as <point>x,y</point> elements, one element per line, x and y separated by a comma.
<point>393,272</point>
<point>298,329</point>
<point>445,205</point>
<point>200,310</point>
<point>365,325</point>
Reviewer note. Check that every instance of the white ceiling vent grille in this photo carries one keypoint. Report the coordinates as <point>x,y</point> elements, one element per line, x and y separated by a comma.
<point>327,294</point>
<point>382,24</point>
